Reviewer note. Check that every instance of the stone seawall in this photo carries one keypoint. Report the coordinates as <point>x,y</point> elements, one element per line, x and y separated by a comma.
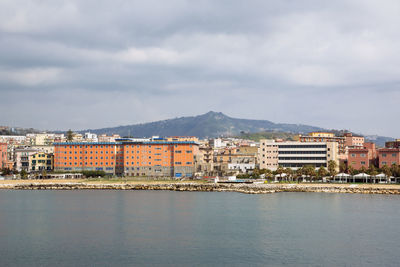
<point>241,188</point>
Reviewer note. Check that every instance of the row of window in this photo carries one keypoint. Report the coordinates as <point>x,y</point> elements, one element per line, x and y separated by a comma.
<point>385,163</point>
<point>302,152</point>
<point>384,155</point>
<point>302,158</point>
<point>299,165</point>
<point>302,146</point>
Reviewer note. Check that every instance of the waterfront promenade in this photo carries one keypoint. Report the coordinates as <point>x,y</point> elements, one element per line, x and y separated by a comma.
<point>198,186</point>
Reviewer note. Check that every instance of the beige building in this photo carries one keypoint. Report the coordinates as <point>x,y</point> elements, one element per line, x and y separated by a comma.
<point>295,155</point>
<point>45,149</point>
<point>268,154</point>
<point>204,164</point>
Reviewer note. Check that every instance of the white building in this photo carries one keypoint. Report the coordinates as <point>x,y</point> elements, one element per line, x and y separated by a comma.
<point>91,137</point>
<point>295,155</point>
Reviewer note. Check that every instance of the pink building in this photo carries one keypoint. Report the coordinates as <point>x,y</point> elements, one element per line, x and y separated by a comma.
<point>388,156</point>
<point>362,156</point>
<point>353,140</point>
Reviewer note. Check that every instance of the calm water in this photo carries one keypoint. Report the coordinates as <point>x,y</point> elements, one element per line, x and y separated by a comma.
<point>124,228</point>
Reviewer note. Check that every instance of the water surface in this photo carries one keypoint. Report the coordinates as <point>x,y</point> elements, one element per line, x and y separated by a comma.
<point>126,228</point>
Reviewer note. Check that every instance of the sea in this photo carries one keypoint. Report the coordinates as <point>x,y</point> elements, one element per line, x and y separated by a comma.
<point>167,228</point>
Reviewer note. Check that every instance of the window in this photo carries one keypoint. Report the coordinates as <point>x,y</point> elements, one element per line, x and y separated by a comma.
<point>362,162</point>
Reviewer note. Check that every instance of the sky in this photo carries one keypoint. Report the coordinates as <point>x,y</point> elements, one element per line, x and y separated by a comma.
<point>95,63</point>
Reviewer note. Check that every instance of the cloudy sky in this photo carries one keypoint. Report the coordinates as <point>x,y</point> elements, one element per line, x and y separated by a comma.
<point>95,63</point>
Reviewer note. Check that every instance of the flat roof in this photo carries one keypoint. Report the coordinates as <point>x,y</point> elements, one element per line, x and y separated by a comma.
<point>127,143</point>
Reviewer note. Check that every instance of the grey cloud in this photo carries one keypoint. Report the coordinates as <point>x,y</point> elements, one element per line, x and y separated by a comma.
<point>105,63</point>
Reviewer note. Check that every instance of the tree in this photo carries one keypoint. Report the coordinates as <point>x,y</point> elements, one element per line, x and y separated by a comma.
<point>309,170</point>
<point>24,174</point>
<point>6,171</point>
<point>372,170</point>
<point>70,135</point>
<point>352,171</point>
<point>363,170</point>
<point>386,170</point>
<point>332,166</point>
<point>395,170</point>
<point>289,172</point>
<point>342,167</point>
<point>322,172</point>
<point>44,174</point>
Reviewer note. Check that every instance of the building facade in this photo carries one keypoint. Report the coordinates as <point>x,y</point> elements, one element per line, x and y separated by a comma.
<point>3,155</point>
<point>22,158</point>
<point>325,137</point>
<point>353,140</point>
<point>130,158</point>
<point>295,155</point>
<point>388,156</point>
<point>362,157</point>
<point>41,161</point>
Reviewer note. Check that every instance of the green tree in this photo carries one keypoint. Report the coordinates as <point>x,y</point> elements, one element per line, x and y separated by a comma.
<point>289,172</point>
<point>322,172</point>
<point>24,174</point>
<point>342,167</point>
<point>332,166</point>
<point>351,170</point>
<point>386,170</point>
<point>394,169</point>
<point>309,170</point>
<point>70,135</point>
<point>44,174</point>
<point>372,170</point>
<point>363,170</point>
<point>6,171</point>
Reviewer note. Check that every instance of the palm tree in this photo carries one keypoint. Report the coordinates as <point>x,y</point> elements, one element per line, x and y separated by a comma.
<point>322,172</point>
<point>332,166</point>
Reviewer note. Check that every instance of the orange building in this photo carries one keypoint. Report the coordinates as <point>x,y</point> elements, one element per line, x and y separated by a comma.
<point>130,158</point>
<point>3,155</point>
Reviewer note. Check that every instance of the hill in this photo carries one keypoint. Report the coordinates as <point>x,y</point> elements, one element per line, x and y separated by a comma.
<point>211,124</point>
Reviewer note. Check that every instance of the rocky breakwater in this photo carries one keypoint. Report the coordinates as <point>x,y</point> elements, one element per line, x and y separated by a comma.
<point>212,187</point>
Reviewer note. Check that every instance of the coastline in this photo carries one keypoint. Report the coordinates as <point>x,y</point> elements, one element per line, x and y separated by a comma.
<point>390,189</point>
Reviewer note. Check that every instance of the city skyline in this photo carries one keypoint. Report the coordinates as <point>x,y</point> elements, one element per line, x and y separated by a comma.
<point>98,64</point>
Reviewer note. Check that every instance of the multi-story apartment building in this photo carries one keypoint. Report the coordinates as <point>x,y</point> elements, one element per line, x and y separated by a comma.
<point>22,158</point>
<point>268,154</point>
<point>362,156</point>
<point>296,154</point>
<point>353,140</point>
<point>232,159</point>
<point>131,158</point>
<point>325,137</point>
<point>393,144</point>
<point>204,164</point>
<point>388,156</point>
<point>41,161</point>
<point>3,155</point>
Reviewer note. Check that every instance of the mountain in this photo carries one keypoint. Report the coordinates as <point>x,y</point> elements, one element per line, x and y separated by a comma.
<point>211,124</point>
<point>378,140</point>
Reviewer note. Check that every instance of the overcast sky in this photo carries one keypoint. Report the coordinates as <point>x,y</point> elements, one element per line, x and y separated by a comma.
<point>94,63</point>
